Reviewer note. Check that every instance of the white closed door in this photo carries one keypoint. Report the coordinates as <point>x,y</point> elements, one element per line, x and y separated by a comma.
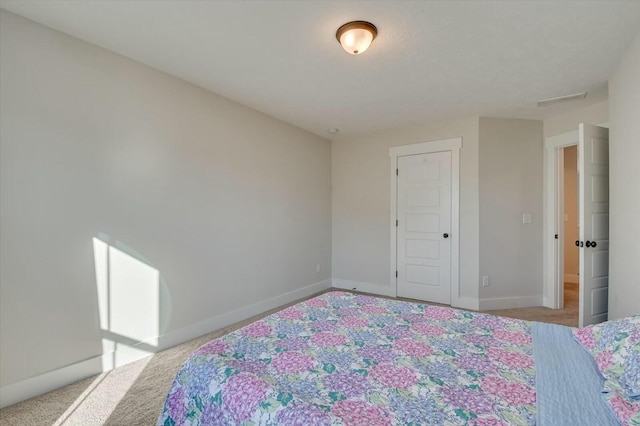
<point>424,227</point>
<point>593,166</point>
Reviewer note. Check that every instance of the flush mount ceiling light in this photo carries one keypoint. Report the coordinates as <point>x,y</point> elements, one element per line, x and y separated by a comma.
<point>356,36</point>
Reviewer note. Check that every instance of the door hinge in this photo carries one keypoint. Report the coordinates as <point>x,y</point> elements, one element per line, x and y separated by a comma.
<point>396,274</point>
<point>396,222</point>
<point>396,172</point>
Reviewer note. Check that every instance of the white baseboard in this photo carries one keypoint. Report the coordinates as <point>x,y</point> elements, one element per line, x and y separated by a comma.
<point>510,302</point>
<point>382,290</point>
<point>571,278</point>
<point>34,386</point>
<point>465,303</point>
<point>214,323</point>
<point>385,290</point>
<point>43,383</point>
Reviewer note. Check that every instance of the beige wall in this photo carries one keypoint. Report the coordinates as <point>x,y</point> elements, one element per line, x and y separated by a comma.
<point>510,185</point>
<point>567,121</point>
<point>571,231</point>
<point>232,207</point>
<point>624,181</point>
<point>361,202</point>
<point>501,178</point>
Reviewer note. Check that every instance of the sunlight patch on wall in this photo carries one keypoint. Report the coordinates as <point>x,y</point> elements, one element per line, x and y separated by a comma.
<point>128,304</point>
<point>133,297</point>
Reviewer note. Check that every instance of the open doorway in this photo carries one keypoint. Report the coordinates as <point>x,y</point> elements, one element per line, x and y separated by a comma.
<point>593,219</point>
<point>571,232</point>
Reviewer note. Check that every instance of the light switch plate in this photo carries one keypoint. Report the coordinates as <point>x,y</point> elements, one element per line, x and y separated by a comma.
<point>485,281</point>
<point>526,218</point>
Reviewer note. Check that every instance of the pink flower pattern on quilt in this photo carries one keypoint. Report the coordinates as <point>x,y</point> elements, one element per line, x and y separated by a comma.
<point>430,329</point>
<point>374,309</point>
<point>393,376</point>
<point>615,347</point>
<point>512,392</point>
<point>512,337</point>
<point>256,330</point>
<point>243,393</point>
<point>345,359</point>
<point>627,412</point>
<point>604,359</point>
<point>487,421</point>
<point>438,312</point>
<point>214,347</point>
<point>413,348</point>
<point>354,322</point>
<point>585,337</point>
<point>328,339</point>
<point>292,362</point>
<point>359,413</point>
<point>511,358</point>
<point>290,314</point>
<point>316,302</point>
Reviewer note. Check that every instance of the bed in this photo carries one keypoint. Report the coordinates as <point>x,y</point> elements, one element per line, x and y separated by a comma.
<point>349,359</point>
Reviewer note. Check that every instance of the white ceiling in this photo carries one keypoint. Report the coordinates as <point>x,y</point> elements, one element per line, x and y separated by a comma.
<point>431,60</point>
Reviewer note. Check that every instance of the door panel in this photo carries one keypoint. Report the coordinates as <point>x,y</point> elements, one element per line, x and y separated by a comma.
<point>423,249</point>
<point>420,274</point>
<point>593,158</point>
<point>424,215</point>
<point>422,222</point>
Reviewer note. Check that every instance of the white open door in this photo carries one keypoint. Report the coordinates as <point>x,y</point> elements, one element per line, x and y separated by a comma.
<point>593,169</point>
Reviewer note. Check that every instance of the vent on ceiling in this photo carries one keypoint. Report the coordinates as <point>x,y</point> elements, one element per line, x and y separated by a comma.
<point>549,101</point>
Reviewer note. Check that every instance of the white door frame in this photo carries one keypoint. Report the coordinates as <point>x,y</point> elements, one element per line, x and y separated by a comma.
<point>454,145</point>
<point>553,220</point>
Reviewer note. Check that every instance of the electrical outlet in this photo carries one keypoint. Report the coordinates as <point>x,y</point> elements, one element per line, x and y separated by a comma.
<point>318,268</point>
<point>485,281</point>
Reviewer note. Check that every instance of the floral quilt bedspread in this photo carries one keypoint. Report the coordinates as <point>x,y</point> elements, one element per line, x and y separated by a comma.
<point>347,359</point>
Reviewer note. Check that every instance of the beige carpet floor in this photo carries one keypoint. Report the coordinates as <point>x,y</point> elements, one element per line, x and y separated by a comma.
<point>134,394</point>
<point>567,316</point>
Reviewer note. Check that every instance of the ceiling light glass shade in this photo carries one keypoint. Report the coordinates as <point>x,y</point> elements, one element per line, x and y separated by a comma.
<point>356,37</point>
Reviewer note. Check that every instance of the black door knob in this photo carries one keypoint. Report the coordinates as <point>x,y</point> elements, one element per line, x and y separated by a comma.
<point>577,243</point>
<point>445,235</point>
<point>591,244</point>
